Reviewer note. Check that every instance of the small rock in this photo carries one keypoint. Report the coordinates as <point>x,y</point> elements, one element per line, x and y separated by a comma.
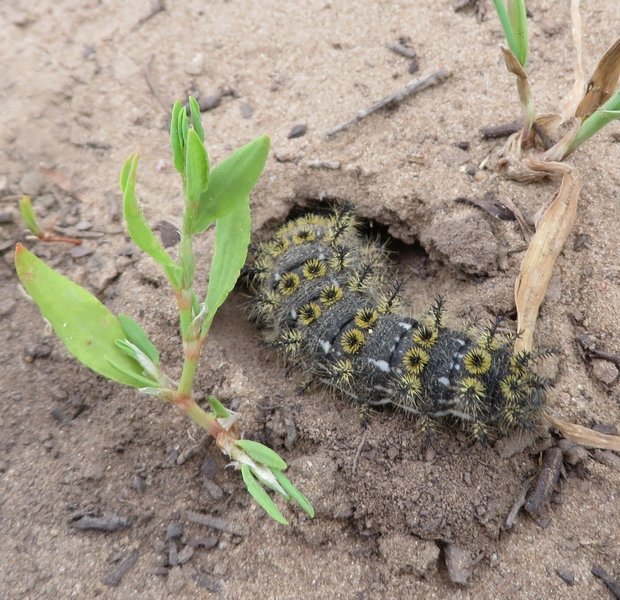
<point>7,216</point>
<point>174,531</point>
<point>566,576</point>
<point>196,65</point>
<point>604,371</point>
<point>246,110</point>
<point>459,563</point>
<point>209,541</point>
<point>209,468</point>
<point>81,251</point>
<point>169,234</point>
<point>296,131</point>
<point>214,490</point>
<point>210,102</point>
<point>94,472</point>
<point>138,484</point>
<point>185,555</point>
<point>101,274</point>
<point>105,523</point>
<point>32,183</point>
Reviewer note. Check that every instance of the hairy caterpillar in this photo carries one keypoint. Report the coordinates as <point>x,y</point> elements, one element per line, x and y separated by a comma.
<point>320,289</point>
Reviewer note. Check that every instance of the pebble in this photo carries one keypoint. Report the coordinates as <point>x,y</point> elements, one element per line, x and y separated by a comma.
<point>138,484</point>
<point>6,306</point>
<point>81,251</point>
<point>296,131</point>
<point>31,183</point>
<point>196,65</point>
<point>408,554</point>
<point>7,216</point>
<point>101,275</point>
<point>185,555</point>
<point>246,110</point>
<point>604,371</point>
<point>174,531</point>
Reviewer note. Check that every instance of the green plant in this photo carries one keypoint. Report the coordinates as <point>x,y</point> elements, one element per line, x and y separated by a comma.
<point>118,348</point>
<point>587,110</point>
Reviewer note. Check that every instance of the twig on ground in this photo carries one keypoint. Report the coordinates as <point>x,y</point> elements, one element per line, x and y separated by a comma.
<point>402,50</point>
<point>358,453</point>
<point>493,132</point>
<point>549,475</point>
<point>149,83</point>
<point>612,585</point>
<point>157,6</point>
<point>411,88</point>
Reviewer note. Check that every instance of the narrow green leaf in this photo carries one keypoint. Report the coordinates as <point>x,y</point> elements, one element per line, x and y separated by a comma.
<point>262,454</point>
<point>183,127</point>
<point>261,496</point>
<point>518,18</point>
<point>28,215</point>
<point>86,327</point>
<point>220,411</point>
<point>178,156</point>
<point>137,227</point>
<point>294,493</point>
<point>232,238</point>
<point>609,111</point>
<point>231,181</point>
<point>196,122</point>
<point>139,337</point>
<point>196,168</point>
<point>500,7</point>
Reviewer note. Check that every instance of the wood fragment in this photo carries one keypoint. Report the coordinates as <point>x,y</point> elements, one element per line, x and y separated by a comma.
<point>411,88</point>
<point>157,6</point>
<point>491,205</point>
<point>511,519</point>
<point>105,523</point>
<point>503,130</point>
<point>114,577</point>
<point>582,435</point>
<point>402,50</point>
<point>214,522</point>
<point>549,475</point>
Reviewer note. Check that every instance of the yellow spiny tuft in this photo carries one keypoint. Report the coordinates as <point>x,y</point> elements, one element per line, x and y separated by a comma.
<point>352,341</point>
<point>513,388</point>
<point>425,336</point>
<point>331,294</point>
<point>291,341</point>
<point>288,284</point>
<point>276,247</point>
<point>471,388</point>
<point>365,318</point>
<point>314,268</point>
<point>341,258</point>
<point>411,385</point>
<point>415,360</point>
<point>309,313</point>
<point>342,371</point>
<point>304,235</point>
<point>477,361</point>
<point>358,282</point>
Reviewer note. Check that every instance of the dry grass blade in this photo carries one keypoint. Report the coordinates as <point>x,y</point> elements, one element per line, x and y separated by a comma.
<point>583,435</point>
<point>603,82</point>
<point>572,100</point>
<point>537,266</point>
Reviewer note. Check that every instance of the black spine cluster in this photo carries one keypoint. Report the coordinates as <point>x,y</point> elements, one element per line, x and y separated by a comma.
<point>321,290</point>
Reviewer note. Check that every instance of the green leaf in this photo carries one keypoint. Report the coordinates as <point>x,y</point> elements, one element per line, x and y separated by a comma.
<point>28,216</point>
<point>86,327</point>
<point>261,496</point>
<point>518,19</point>
<point>183,127</point>
<point>262,454</point>
<point>139,337</point>
<point>196,168</point>
<point>178,155</point>
<point>232,238</point>
<point>196,122</point>
<point>506,26</point>
<point>220,411</point>
<point>231,181</point>
<point>145,382</point>
<point>137,227</point>
<point>609,111</point>
<point>294,493</point>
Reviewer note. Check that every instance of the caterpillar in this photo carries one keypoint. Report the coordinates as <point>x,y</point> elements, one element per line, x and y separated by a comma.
<point>320,289</point>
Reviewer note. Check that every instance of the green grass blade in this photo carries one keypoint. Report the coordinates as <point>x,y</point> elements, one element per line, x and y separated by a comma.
<point>139,337</point>
<point>220,411</point>
<point>28,216</point>
<point>294,493</point>
<point>608,112</point>
<point>86,327</point>
<point>262,454</point>
<point>137,227</point>
<point>178,155</point>
<point>196,171</point>
<point>231,181</point>
<point>518,18</point>
<point>500,8</point>
<point>232,238</point>
<point>196,122</point>
<point>144,382</point>
<point>261,496</point>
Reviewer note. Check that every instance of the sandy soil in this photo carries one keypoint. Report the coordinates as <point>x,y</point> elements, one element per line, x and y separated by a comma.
<point>83,84</point>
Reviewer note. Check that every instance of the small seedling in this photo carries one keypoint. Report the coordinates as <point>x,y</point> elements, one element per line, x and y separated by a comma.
<point>552,137</point>
<point>29,218</point>
<point>118,348</point>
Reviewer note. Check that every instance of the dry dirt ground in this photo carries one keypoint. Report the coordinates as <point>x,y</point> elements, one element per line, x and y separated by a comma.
<point>83,84</point>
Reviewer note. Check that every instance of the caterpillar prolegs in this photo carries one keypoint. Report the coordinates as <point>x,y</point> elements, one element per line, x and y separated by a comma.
<point>321,290</point>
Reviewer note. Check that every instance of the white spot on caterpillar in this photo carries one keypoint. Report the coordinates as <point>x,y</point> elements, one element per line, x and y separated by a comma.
<point>407,326</point>
<point>382,365</point>
<point>444,381</point>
